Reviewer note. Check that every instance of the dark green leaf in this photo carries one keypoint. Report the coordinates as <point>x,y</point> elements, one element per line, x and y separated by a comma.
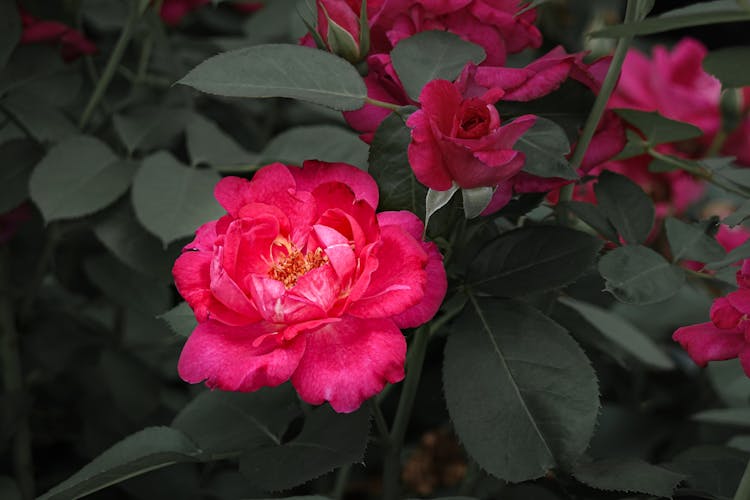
<point>635,146</point>
<point>123,235</point>
<point>273,23</point>
<point>10,30</point>
<point>125,287</point>
<point>593,216</point>
<point>723,65</point>
<point>180,319</point>
<point>45,123</point>
<point>627,207</point>
<point>134,388</point>
<point>700,14</point>
<point>622,333</point>
<point>316,142</point>
<point>281,71</point>
<point>735,255</point>
<point>8,488</point>
<point>432,55</point>
<point>223,423</point>
<point>328,440</point>
<point>171,200</point>
<point>739,216</point>
<point>389,165</point>
<point>545,146</point>
<point>144,451</point>
<point>17,159</point>
<point>147,128</point>
<point>521,393</point>
<point>735,417</point>
<point>711,469</point>
<point>533,259</point>
<point>78,177</point>
<point>29,63</point>
<point>689,241</point>
<point>208,144</point>
<point>658,129</point>
<point>630,475</point>
<point>638,275</point>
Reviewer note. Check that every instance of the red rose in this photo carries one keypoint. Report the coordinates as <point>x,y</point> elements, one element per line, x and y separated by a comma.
<point>461,140</point>
<point>72,43</point>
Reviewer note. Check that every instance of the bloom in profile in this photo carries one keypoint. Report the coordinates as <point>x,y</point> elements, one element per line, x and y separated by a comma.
<point>303,281</point>
<point>726,335</point>
<point>73,44</point>
<point>462,140</point>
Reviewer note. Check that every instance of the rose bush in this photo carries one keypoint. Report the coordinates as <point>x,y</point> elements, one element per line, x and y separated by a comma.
<point>302,280</point>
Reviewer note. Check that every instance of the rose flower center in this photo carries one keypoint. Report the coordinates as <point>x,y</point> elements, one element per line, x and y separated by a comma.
<point>474,122</point>
<point>289,268</point>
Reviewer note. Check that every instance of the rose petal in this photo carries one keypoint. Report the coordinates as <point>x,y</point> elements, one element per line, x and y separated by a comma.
<point>705,342</point>
<point>226,357</point>
<point>399,282</point>
<point>348,362</point>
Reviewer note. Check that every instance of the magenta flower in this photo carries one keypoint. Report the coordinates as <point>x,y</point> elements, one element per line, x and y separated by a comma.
<point>302,280</point>
<point>461,140</point>
<point>72,43</point>
<point>727,335</point>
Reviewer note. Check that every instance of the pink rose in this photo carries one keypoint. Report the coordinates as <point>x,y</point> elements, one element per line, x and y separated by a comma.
<point>302,280</point>
<point>669,80</point>
<point>461,140</point>
<point>72,43</point>
<point>725,336</point>
<point>493,24</point>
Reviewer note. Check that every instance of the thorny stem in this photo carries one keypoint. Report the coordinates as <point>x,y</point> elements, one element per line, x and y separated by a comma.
<point>111,68</point>
<point>13,382</point>
<point>392,463</point>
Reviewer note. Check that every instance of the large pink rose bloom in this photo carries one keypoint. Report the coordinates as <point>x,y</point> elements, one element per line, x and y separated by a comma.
<point>727,335</point>
<point>461,140</point>
<point>303,281</point>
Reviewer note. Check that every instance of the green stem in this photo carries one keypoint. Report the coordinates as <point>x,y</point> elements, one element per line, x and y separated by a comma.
<point>53,235</point>
<point>383,104</point>
<point>111,68</point>
<point>702,173</point>
<point>341,481</point>
<point>608,86</point>
<point>392,463</point>
<point>743,490</point>
<point>13,381</point>
<point>380,422</point>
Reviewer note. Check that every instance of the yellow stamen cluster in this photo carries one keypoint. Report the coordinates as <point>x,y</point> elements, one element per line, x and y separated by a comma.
<point>289,268</point>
